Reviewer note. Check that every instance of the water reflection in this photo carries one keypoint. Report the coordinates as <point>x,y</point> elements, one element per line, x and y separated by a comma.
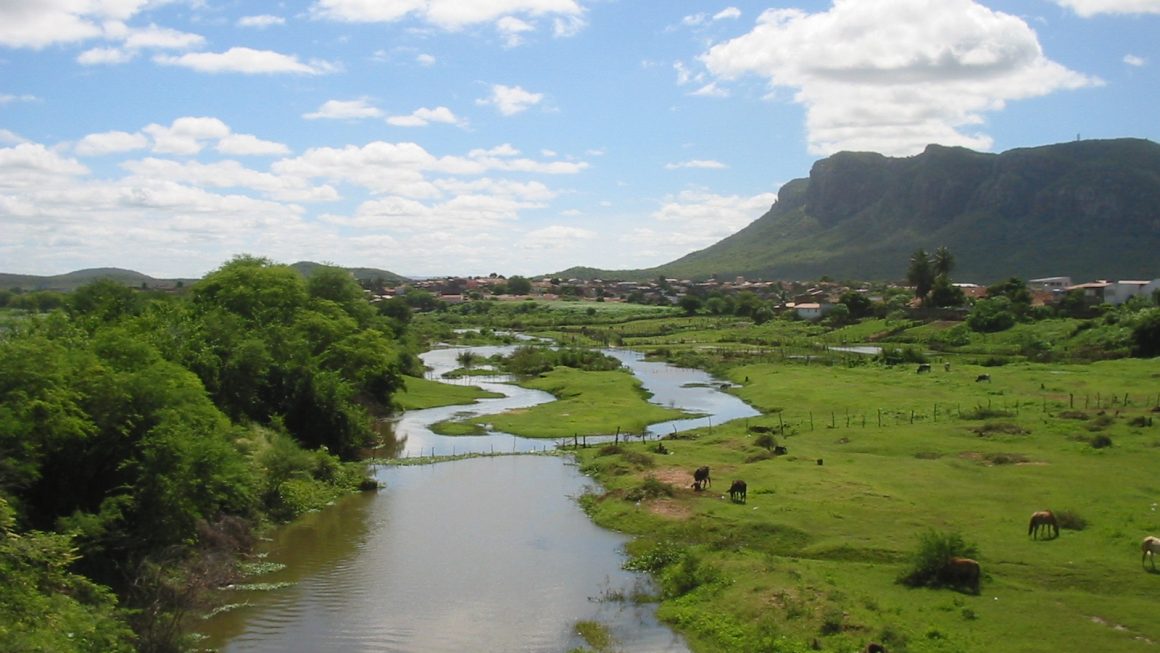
<point>488,554</point>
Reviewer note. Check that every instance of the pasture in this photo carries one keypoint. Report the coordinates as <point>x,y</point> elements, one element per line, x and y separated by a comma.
<point>811,560</point>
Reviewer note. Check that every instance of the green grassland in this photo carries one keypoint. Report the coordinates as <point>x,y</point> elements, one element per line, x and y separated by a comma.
<point>811,561</point>
<point>588,403</point>
<point>423,393</point>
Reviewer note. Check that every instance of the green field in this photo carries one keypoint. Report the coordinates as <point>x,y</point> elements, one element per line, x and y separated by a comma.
<point>812,559</point>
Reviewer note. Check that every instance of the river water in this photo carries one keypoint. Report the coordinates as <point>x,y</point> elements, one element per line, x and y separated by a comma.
<point>484,554</point>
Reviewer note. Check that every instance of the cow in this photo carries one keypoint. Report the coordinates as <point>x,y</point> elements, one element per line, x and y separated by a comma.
<point>737,492</point>
<point>983,377</point>
<point>779,450</point>
<point>923,367</point>
<point>701,479</point>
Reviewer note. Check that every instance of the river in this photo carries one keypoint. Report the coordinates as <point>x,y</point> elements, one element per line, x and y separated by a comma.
<point>483,554</point>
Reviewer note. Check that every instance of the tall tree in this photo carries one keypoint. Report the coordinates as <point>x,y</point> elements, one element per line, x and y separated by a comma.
<point>943,262</point>
<point>920,274</point>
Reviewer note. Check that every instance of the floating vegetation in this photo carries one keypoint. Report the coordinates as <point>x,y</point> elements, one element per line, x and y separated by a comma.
<point>259,568</point>
<point>229,607</point>
<point>258,587</point>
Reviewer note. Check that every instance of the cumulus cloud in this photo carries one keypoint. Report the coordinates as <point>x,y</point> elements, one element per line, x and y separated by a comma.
<point>344,110</point>
<point>249,145</point>
<point>33,165</point>
<point>1133,60</point>
<point>1088,8</point>
<point>113,142</point>
<point>422,117</point>
<point>893,76</point>
<point>513,30</point>
<point>105,56</point>
<point>186,135</point>
<point>510,100</point>
<point>38,25</point>
<point>447,14</point>
<point>246,61</point>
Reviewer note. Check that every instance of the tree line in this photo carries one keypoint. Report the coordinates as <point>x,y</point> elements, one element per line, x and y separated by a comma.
<point>144,439</point>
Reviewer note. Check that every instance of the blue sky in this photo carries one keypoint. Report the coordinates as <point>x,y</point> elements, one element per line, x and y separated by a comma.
<point>456,137</point>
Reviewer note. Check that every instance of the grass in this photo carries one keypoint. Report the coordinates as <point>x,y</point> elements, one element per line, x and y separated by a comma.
<point>588,403</point>
<point>816,553</point>
<point>423,393</point>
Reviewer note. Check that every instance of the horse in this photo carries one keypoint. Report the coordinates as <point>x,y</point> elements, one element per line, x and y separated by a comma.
<point>963,572</point>
<point>737,492</point>
<point>1149,547</point>
<point>1043,519</point>
<point>701,478</point>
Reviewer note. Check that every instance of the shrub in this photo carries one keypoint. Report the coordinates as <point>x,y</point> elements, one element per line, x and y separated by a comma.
<point>1100,441</point>
<point>649,489</point>
<point>928,565</point>
<point>1070,520</point>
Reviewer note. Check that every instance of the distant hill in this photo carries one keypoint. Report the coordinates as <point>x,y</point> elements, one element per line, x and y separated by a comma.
<point>306,268</point>
<point>1085,209</point>
<point>73,280</point>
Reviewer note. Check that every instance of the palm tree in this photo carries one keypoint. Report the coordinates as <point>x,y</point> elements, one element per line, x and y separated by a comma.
<point>943,262</point>
<point>920,274</point>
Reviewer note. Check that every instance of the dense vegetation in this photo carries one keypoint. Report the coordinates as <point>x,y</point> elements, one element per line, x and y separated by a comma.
<point>144,438</point>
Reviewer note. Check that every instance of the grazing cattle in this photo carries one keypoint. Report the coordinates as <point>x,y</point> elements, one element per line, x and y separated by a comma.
<point>779,450</point>
<point>983,377</point>
<point>737,492</point>
<point>923,367</point>
<point>963,572</point>
<point>1044,519</point>
<point>874,647</point>
<point>701,479</point>
<point>1149,547</point>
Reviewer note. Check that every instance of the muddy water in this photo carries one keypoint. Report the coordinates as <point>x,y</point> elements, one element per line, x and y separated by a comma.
<point>488,554</point>
<point>485,554</point>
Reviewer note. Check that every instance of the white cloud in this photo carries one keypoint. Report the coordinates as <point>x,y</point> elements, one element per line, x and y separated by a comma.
<point>447,14</point>
<point>44,23</point>
<point>697,163</point>
<point>247,144</point>
<point>113,142</point>
<point>344,110</point>
<point>105,56</point>
<point>152,37</point>
<point>32,165</point>
<point>695,219</point>
<point>711,90</point>
<point>555,237</point>
<point>1133,60</point>
<point>513,29</point>
<point>8,98</point>
<point>261,22</point>
<point>10,137</point>
<point>422,117</point>
<point>246,61</point>
<point>227,174</point>
<point>510,100</point>
<point>894,77</point>
<point>425,60</point>
<point>729,13</point>
<point>1088,8</point>
<point>186,135</point>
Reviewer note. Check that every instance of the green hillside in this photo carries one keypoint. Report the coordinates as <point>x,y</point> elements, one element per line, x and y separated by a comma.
<point>1086,209</point>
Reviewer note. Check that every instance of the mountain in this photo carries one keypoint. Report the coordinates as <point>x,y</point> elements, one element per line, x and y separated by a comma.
<point>1084,209</point>
<point>73,280</point>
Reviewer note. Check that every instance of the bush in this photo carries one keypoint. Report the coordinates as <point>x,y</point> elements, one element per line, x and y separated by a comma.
<point>935,549</point>
<point>651,488</point>
<point>1100,441</point>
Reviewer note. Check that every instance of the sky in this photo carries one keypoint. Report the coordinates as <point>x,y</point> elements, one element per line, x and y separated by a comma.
<point>470,137</point>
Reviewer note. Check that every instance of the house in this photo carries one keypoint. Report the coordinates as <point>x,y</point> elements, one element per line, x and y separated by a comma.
<point>1121,291</point>
<point>1093,291</point>
<point>811,310</point>
<point>1051,284</point>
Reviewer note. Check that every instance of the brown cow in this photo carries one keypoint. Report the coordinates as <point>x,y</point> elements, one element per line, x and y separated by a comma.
<point>701,479</point>
<point>737,492</point>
